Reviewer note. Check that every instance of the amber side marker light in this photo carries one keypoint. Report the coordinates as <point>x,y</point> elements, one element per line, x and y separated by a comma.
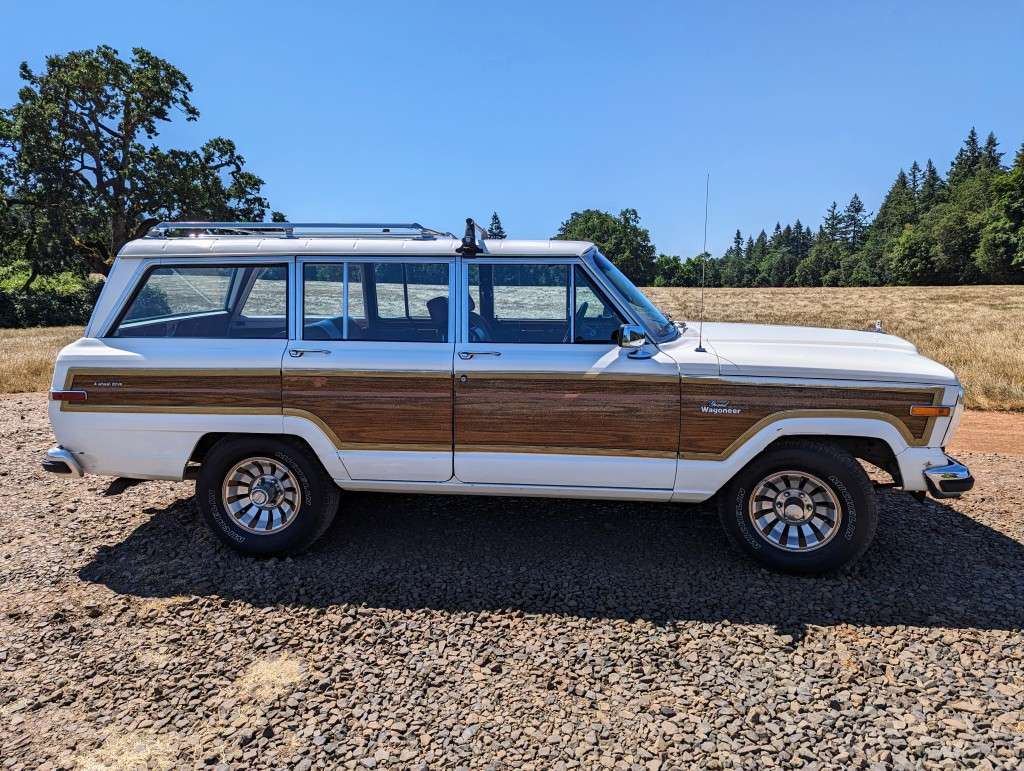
<point>930,411</point>
<point>69,396</point>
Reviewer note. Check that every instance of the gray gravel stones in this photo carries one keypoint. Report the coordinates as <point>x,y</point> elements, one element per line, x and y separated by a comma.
<point>430,632</point>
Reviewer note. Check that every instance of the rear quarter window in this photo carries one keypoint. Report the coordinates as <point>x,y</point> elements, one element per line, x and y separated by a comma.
<point>237,301</point>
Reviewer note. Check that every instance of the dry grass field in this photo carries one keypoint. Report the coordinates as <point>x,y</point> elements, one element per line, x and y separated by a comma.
<point>26,356</point>
<point>978,331</point>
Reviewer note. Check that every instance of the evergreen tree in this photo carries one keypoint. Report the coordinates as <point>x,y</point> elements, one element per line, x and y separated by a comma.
<point>991,158</point>
<point>931,186</point>
<point>854,222</point>
<point>915,178</point>
<point>495,230</point>
<point>967,160</point>
<point>833,223</point>
<point>1018,159</point>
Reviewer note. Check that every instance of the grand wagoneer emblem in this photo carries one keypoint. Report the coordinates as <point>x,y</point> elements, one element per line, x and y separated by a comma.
<point>718,407</point>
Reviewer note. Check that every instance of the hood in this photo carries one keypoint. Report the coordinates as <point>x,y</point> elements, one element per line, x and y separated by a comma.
<point>760,350</point>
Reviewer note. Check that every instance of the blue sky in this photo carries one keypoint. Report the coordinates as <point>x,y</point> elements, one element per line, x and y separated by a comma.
<point>438,111</point>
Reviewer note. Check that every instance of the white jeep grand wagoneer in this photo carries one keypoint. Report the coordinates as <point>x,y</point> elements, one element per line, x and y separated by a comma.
<point>280,364</point>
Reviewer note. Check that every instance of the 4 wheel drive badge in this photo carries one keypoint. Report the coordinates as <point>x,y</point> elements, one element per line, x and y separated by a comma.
<point>717,407</point>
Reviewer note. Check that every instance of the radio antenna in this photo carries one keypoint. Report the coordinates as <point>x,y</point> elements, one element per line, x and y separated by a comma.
<point>703,265</point>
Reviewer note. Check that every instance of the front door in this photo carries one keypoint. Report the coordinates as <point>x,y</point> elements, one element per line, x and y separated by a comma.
<point>371,363</point>
<point>544,395</point>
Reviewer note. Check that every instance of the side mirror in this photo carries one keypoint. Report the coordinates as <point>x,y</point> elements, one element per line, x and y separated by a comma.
<point>631,336</point>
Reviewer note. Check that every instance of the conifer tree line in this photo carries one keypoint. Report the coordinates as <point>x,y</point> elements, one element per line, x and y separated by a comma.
<point>962,227</point>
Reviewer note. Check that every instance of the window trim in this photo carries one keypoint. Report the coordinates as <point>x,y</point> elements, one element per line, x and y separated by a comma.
<point>602,296</point>
<point>345,260</point>
<point>578,261</point>
<point>233,265</point>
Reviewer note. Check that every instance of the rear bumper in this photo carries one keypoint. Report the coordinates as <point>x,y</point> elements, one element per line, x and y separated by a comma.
<point>61,461</point>
<point>949,481</point>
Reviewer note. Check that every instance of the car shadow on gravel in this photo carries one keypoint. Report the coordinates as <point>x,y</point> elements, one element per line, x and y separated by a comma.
<point>930,565</point>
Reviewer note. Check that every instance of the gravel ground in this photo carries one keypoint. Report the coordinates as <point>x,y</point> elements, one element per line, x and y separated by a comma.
<point>484,632</point>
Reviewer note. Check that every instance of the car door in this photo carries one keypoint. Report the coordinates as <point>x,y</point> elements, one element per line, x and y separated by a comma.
<point>371,363</point>
<point>543,393</point>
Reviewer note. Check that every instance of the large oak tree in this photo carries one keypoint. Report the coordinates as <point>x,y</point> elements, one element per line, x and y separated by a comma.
<point>81,171</point>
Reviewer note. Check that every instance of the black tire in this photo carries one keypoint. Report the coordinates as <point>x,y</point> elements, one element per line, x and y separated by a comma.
<point>838,471</point>
<point>317,495</point>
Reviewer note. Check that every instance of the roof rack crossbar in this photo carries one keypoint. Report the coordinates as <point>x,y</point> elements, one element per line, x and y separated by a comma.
<point>288,230</point>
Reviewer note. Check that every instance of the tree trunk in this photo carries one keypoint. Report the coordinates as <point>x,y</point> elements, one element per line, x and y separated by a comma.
<point>32,276</point>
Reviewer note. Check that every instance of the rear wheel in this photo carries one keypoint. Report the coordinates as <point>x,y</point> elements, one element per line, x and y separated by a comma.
<point>265,496</point>
<point>801,506</point>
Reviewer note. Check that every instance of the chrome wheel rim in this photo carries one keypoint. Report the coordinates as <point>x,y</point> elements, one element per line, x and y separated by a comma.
<point>795,511</point>
<point>261,495</point>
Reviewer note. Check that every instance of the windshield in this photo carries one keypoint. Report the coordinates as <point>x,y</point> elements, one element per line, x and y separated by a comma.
<point>659,327</point>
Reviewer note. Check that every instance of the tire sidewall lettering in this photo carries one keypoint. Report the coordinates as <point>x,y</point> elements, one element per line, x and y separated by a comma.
<point>849,506</point>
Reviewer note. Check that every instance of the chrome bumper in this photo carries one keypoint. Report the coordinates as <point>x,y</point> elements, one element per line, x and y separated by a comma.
<point>61,461</point>
<point>949,481</point>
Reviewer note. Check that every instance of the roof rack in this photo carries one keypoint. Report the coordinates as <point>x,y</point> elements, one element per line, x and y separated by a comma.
<point>295,230</point>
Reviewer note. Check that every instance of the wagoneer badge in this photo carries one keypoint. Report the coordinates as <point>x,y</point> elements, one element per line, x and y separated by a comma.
<point>715,407</point>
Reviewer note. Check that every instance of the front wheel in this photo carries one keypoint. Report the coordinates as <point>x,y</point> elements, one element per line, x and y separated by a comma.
<point>802,507</point>
<point>265,496</point>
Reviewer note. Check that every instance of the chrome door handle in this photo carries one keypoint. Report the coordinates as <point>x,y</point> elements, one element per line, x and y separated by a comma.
<point>470,354</point>
<point>297,352</point>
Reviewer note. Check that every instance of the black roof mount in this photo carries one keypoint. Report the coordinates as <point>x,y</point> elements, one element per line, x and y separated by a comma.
<point>471,245</point>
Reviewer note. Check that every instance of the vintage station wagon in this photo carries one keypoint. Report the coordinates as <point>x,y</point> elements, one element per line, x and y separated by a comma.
<point>282,364</point>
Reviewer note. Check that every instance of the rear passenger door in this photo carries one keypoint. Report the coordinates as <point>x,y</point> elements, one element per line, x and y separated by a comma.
<point>370,363</point>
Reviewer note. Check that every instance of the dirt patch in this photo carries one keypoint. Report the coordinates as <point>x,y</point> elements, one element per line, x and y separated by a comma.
<point>268,678</point>
<point>1001,432</point>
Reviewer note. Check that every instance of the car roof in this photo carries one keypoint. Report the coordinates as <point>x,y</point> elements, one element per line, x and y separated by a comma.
<point>238,246</point>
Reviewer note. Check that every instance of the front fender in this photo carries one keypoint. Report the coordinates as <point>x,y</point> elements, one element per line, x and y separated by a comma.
<point>699,479</point>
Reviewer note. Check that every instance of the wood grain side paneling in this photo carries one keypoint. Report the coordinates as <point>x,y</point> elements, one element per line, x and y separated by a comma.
<point>595,415</point>
<point>175,390</point>
<point>744,407</point>
<point>375,411</point>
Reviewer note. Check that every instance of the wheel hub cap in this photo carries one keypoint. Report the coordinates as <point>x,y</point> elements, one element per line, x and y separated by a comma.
<point>261,495</point>
<point>794,511</point>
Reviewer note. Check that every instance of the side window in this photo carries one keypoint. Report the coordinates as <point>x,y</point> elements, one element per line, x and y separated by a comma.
<point>519,303</point>
<point>387,302</point>
<point>209,301</point>
<point>596,320</point>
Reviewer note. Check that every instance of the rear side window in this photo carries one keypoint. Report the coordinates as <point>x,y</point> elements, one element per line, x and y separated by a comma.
<point>381,301</point>
<point>243,301</point>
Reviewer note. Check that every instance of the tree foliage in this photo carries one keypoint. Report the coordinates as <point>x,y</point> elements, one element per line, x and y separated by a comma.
<point>82,173</point>
<point>621,239</point>
<point>495,230</point>
<point>966,227</point>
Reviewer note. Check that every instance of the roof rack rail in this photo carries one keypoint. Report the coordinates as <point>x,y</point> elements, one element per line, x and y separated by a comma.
<point>295,230</point>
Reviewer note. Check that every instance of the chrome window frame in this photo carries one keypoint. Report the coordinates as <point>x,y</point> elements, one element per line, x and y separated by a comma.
<point>624,309</point>
<point>146,268</point>
<point>588,258</point>
<point>346,259</point>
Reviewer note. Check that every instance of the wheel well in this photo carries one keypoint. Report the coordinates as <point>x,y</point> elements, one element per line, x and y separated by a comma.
<point>877,452</point>
<point>207,441</point>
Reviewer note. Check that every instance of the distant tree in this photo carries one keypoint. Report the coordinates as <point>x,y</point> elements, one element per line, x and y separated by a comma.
<point>854,222</point>
<point>495,229</point>
<point>79,147</point>
<point>967,160</point>
<point>1001,250</point>
<point>932,186</point>
<point>621,239</point>
<point>991,158</point>
<point>915,178</point>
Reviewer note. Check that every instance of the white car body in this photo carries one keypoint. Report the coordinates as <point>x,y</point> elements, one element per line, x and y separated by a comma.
<point>147,442</point>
